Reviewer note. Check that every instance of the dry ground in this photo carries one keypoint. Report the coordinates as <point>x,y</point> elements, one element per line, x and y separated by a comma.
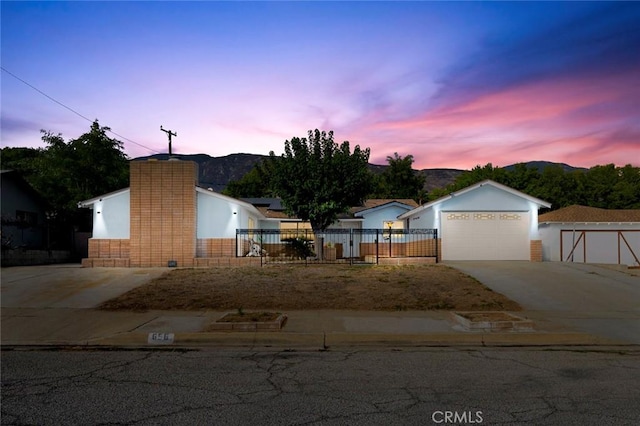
<point>296,287</point>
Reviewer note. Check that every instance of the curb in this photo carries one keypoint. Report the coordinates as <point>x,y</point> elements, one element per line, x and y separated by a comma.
<point>333,340</point>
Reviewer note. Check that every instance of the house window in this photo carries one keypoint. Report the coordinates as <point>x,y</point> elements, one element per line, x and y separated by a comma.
<point>26,218</point>
<point>392,224</point>
<point>295,229</point>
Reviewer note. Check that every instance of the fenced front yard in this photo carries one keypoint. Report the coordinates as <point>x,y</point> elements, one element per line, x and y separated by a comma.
<point>337,245</point>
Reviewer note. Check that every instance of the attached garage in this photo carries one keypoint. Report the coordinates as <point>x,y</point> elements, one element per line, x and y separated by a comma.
<point>490,235</point>
<point>485,221</point>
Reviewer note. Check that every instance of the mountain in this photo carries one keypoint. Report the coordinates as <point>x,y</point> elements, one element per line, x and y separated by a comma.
<point>541,165</point>
<point>217,172</point>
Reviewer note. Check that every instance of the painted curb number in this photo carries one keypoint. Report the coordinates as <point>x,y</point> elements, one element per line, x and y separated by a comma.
<point>160,338</point>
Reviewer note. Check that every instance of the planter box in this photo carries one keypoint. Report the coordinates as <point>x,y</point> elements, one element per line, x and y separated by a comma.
<point>275,325</point>
<point>491,321</point>
<point>330,253</point>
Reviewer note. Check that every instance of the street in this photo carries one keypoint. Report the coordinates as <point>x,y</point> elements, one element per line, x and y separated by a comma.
<point>541,386</point>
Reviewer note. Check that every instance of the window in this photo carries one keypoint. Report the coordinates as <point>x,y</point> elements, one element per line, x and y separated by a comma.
<point>295,229</point>
<point>26,218</point>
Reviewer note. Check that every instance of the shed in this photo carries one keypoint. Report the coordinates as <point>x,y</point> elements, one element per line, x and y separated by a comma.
<point>591,235</point>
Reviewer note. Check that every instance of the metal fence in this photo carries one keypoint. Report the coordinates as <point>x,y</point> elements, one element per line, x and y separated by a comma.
<point>335,245</point>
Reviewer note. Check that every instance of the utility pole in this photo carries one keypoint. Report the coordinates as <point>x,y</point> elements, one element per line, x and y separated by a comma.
<point>169,133</point>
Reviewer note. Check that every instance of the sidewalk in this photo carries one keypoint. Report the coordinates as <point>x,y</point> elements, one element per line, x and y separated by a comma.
<point>303,329</point>
<point>55,305</point>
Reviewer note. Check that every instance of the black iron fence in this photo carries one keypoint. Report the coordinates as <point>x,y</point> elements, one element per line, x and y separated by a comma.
<point>335,245</point>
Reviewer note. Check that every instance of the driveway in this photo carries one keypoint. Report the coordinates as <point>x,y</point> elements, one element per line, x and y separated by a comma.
<point>68,286</point>
<point>600,300</point>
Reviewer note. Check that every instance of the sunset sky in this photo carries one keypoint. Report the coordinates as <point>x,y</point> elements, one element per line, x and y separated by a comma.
<point>455,84</point>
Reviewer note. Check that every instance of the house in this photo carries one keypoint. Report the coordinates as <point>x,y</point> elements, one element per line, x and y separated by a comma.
<point>165,218</point>
<point>23,213</point>
<point>485,221</point>
<point>588,234</point>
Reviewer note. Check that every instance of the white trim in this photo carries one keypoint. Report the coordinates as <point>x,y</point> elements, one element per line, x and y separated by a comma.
<point>92,201</point>
<point>383,206</point>
<point>537,201</point>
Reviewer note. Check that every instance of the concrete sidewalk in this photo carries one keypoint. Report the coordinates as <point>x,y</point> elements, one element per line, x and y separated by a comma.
<point>308,329</point>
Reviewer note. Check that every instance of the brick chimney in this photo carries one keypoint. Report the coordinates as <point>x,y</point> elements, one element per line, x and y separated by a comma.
<point>162,212</point>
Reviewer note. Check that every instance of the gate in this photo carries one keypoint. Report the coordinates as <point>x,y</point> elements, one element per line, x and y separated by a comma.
<point>349,246</point>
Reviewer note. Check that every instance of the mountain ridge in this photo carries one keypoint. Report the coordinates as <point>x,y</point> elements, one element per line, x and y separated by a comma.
<point>217,172</point>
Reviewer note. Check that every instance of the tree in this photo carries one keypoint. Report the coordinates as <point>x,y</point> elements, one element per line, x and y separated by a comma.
<point>399,180</point>
<point>253,184</point>
<point>90,165</point>
<point>473,176</point>
<point>317,179</point>
<point>67,172</point>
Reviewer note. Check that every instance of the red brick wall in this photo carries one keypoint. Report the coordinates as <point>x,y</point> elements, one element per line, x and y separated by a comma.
<point>107,249</point>
<point>217,247</point>
<point>162,212</point>
<point>536,250</point>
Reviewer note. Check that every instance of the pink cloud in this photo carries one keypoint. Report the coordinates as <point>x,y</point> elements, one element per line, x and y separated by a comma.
<point>586,121</point>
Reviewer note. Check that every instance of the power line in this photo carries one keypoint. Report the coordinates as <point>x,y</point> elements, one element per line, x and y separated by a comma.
<point>72,110</point>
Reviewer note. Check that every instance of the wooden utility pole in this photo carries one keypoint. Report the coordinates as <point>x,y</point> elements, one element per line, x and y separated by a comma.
<point>169,133</point>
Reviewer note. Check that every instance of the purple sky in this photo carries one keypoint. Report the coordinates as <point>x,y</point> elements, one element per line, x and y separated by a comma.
<point>454,84</point>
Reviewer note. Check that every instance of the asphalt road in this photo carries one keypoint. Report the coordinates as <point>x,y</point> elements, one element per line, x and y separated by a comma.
<point>406,387</point>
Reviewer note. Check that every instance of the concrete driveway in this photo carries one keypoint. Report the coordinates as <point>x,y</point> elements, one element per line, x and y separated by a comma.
<point>596,299</point>
<point>68,286</point>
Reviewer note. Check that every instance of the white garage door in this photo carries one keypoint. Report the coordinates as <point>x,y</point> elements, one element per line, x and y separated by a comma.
<point>485,235</point>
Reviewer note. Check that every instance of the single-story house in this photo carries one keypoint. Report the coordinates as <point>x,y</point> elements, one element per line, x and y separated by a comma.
<point>485,221</point>
<point>164,216</point>
<point>588,234</point>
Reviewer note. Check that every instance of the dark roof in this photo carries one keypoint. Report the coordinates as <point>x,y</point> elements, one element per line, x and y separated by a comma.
<point>273,208</point>
<point>577,213</point>
<point>20,182</point>
<point>270,203</point>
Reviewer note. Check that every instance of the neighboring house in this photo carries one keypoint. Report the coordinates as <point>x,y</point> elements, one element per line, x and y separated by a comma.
<point>588,234</point>
<point>23,213</point>
<point>485,221</point>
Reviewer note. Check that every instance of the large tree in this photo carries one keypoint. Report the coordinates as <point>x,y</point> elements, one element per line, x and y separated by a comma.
<point>317,179</point>
<point>82,168</point>
<point>399,180</point>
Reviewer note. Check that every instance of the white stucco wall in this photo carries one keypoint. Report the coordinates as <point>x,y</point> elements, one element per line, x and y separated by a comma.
<point>376,218</point>
<point>486,198</point>
<point>601,247</point>
<point>481,199</point>
<point>219,216</point>
<point>111,217</point>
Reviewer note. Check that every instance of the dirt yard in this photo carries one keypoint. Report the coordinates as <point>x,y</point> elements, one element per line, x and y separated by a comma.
<point>282,288</point>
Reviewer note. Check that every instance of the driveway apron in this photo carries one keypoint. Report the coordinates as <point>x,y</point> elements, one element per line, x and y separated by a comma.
<point>596,299</point>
